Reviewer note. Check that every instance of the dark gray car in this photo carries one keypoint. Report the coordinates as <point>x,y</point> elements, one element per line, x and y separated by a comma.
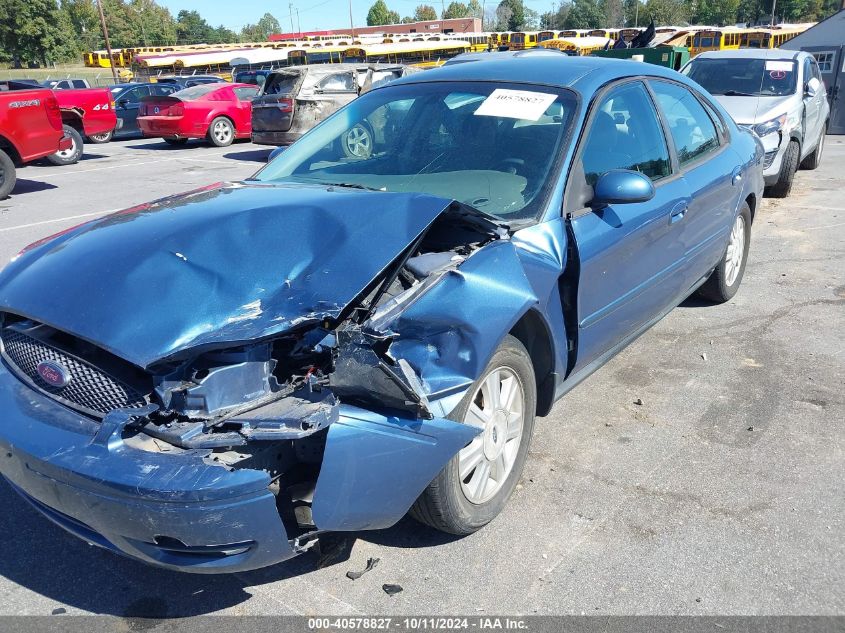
<point>293,100</point>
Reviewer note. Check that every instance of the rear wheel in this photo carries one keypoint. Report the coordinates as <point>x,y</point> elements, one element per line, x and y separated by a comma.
<point>815,159</point>
<point>788,168</point>
<point>175,141</point>
<point>221,132</point>
<point>105,137</point>
<point>72,155</point>
<point>358,141</point>
<point>477,482</point>
<point>724,281</point>
<point>7,175</point>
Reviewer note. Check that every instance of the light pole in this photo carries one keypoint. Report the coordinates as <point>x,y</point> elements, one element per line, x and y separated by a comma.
<point>774,4</point>
<point>106,38</point>
<point>290,8</point>
<point>351,25</point>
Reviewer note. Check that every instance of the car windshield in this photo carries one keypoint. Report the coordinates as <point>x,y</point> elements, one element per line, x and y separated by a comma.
<point>743,76</point>
<point>490,146</point>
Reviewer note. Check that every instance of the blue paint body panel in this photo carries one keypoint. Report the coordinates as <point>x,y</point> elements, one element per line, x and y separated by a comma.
<point>243,262</point>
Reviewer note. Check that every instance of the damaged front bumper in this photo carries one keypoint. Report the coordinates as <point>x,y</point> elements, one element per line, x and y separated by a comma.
<point>183,510</point>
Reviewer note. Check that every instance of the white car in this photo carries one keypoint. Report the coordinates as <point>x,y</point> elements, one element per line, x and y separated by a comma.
<point>779,95</point>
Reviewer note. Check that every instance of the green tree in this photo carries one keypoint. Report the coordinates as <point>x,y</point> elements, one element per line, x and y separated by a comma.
<point>424,12</point>
<point>456,10</point>
<point>30,31</point>
<point>666,12</point>
<point>474,9</point>
<point>393,17</point>
<point>584,14</point>
<point>634,12</point>
<point>192,28</point>
<point>510,15</point>
<point>614,13</point>
<point>378,14</point>
<point>261,31</point>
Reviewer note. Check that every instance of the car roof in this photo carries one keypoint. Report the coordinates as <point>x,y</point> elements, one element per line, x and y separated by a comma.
<point>751,53</point>
<point>538,66</point>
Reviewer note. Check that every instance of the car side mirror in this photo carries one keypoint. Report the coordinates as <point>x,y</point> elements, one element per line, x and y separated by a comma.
<point>621,186</point>
<point>123,103</point>
<point>812,87</point>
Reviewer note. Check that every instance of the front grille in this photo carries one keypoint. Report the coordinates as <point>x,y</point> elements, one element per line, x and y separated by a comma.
<point>90,388</point>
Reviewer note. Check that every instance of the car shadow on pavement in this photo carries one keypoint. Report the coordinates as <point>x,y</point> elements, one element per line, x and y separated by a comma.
<point>23,185</point>
<point>42,558</point>
<point>250,155</point>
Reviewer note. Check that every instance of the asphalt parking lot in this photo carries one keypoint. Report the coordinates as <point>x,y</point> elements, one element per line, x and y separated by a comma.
<point>721,493</point>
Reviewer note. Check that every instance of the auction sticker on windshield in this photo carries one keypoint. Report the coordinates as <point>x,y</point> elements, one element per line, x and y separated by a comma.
<point>779,66</point>
<point>515,104</point>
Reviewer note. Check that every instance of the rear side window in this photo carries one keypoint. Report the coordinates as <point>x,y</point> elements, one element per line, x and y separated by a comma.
<point>245,94</point>
<point>341,82</point>
<point>625,133</point>
<point>161,91</point>
<point>693,132</point>
<point>281,83</point>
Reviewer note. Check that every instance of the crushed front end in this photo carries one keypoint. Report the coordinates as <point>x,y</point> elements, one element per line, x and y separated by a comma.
<point>235,456</point>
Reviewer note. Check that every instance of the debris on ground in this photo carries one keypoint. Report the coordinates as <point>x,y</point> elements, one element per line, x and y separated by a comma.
<point>703,356</point>
<point>750,428</point>
<point>638,402</point>
<point>355,575</point>
<point>58,611</point>
<point>391,590</point>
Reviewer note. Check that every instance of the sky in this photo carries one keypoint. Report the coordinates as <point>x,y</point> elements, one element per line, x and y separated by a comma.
<point>313,14</point>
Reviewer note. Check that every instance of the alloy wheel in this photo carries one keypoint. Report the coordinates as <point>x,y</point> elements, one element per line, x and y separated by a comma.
<point>67,154</point>
<point>222,131</point>
<point>736,251</point>
<point>498,408</point>
<point>358,142</point>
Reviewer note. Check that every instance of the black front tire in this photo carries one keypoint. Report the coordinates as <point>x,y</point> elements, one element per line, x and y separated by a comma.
<point>812,161</point>
<point>443,504</point>
<point>7,175</point>
<point>72,155</point>
<point>717,287</point>
<point>788,168</point>
<point>99,139</point>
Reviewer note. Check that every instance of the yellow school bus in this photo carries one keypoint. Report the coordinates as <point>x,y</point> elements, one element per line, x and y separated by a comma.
<point>723,39</point>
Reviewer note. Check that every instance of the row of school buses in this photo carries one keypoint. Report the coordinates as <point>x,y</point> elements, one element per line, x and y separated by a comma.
<point>416,49</point>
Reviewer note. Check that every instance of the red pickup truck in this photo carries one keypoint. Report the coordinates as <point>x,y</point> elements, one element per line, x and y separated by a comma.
<point>87,113</point>
<point>30,128</point>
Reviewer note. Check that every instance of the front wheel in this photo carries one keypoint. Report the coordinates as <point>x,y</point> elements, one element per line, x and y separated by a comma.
<point>788,168</point>
<point>477,482</point>
<point>815,159</point>
<point>72,155</point>
<point>99,139</point>
<point>724,281</point>
<point>7,175</point>
<point>221,132</point>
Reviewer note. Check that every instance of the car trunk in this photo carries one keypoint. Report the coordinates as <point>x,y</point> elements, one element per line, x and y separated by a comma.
<point>161,106</point>
<point>273,109</point>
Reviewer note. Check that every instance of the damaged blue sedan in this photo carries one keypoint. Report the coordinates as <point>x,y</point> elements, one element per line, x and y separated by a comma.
<point>211,381</point>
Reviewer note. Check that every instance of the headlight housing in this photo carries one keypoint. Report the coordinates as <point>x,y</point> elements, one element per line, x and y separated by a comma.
<point>775,125</point>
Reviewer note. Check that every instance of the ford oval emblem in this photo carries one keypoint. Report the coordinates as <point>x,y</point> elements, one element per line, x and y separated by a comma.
<point>156,109</point>
<point>53,374</point>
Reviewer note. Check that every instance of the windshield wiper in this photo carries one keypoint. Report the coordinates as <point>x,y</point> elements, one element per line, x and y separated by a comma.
<point>351,185</point>
<point>734,93</point>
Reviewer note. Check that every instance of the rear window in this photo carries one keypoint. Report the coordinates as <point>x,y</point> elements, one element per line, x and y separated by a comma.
<point>196,92</point>
<point>280,83</point>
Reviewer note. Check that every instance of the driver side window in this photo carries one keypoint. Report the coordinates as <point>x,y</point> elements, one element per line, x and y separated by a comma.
<point>625,133</point>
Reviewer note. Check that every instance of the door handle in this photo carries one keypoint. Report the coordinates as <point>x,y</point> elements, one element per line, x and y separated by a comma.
<point>736,177</point>
<point>678,212</point>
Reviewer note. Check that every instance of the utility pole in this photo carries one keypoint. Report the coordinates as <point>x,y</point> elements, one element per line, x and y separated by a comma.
<point>106,38</point>
<point>774,4</point>
<point>637,14</point>
<point>298,23</point>
<point>290,8</point>
<point>351,25</point>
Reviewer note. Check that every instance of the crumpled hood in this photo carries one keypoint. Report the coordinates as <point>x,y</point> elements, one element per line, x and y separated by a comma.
<point>752,110</point>
<point>224,264</point>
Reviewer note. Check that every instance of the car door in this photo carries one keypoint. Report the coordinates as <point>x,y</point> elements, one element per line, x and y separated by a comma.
<point>629,254</point>
<point>711,170</point>
<point>243,108</point>
<point>831,64</point>
<point>126,108</point>
<point>812,108</point>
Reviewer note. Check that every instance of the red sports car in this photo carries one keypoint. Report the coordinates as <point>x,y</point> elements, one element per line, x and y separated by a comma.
<point>220,112</point>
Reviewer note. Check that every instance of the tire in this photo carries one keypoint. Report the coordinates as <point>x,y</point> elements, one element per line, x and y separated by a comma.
<point>447,504</point>
<point>815,159</point>
<point>72,155</point>
<point>221,132</point>
<point>99,139</point>
<point>7,175</point>
<point>175,141</point>
<point>724,281</point>
<point>358,141</point>
<point>787,172</point>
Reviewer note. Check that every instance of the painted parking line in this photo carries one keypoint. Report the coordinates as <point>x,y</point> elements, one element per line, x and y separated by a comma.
<point>64,219</point>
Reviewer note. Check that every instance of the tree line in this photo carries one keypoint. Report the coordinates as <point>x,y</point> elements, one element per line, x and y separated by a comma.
<point>513,15</point>
<point>47,31</point>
